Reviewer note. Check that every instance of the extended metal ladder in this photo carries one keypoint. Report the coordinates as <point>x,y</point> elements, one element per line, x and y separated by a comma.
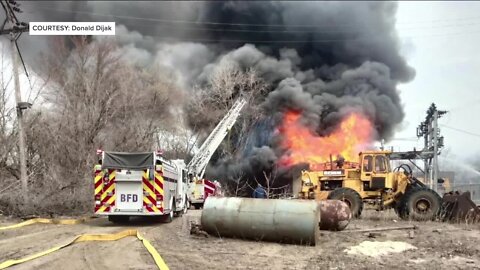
<point>199,162</point>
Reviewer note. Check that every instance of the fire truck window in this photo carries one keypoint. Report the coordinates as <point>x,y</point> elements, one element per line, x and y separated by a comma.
<point>367,163</point>
<point>380,164</point>
<point>151,174</point>
<point>190,177</point>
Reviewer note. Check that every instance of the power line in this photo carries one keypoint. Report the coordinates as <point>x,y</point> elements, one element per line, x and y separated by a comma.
<point>281,31</point>
<point>232,24</point>
<point>364,38</point>
<point>461,130</point>
<point>439,20</point>
<point>291,41</point>
<point>440,26</point>
<point>465,105</point>
<point>412,139</point>
<point>227,29</point>
<point>173,20</point>
<point>167,39</point>
<point>13,16</point>
<point>170,39</point>
<point>23,62</point>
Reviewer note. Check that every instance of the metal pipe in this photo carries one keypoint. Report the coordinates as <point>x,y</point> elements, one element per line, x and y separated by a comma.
<point>334,215</point>
<point>410,227</point>
<point>285,221</point>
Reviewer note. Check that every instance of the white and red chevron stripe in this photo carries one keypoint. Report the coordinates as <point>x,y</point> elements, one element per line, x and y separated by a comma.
<point>209,188</point>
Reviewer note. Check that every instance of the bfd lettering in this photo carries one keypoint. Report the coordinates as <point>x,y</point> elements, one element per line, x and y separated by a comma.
<point>128,197</point>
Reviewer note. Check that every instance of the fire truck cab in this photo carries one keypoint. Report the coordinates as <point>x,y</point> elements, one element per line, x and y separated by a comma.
<point>200,189</point>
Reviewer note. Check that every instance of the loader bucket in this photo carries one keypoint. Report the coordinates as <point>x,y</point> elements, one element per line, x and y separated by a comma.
<point>458,207</point>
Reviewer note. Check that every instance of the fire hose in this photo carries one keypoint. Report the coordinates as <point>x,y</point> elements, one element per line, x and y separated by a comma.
<point>82,238</point>
<point>47,221</point>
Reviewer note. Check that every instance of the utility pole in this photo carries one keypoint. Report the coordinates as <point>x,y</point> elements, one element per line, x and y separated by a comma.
<point>17,28</point>
<point>433,143</point>
<point>435,150</point>
<point>21,133</point>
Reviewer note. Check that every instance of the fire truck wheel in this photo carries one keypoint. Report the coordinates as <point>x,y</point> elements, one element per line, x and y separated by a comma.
<point>190,205</point>
<point>178,213</point>
<point>169,217</point>
<point>186,207</point>
<point>350,197</point>
<point>421,204</point>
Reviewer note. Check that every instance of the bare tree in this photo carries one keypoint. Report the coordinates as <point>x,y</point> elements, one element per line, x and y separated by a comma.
<point>94,99</point>
<point>7,118</point>
<point>236,188</point>
<point>208,104</point>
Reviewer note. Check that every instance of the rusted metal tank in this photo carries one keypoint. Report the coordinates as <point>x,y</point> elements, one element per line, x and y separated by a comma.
<point>284,221</point>
<point>334,215</point>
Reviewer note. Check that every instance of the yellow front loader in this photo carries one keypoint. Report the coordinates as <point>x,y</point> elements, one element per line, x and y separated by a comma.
<point>372,179</point>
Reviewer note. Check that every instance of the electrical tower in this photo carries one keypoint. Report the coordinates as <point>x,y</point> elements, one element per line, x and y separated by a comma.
<point>15,30</point>
<point>433,143</point>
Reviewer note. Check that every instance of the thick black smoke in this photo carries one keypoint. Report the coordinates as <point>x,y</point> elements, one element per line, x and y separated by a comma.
<point>322,58</point>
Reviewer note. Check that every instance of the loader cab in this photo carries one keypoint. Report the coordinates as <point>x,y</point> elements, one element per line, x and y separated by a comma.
<point>375,170</point>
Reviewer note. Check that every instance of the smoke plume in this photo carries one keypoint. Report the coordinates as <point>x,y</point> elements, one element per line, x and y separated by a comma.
<point>324,59</point>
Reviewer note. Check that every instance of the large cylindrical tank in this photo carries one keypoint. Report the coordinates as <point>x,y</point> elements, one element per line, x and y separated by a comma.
<point>335,215</point>
<point>285,221</point>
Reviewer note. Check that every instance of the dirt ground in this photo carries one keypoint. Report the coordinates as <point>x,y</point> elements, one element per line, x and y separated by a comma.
<point>438,246</point>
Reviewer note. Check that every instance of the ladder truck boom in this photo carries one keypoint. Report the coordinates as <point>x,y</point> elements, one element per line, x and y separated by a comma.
<point>199,162</point>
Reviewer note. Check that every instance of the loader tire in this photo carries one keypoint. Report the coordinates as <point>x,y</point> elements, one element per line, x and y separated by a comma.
<point>420,204</point>
<point>350,197</point>
<point>399,210</point>
<point>400,206</point>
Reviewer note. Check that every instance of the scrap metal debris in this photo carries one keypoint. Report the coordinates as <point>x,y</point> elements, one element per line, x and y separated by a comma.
<point>459,207</point>
<point>196,229</point>
<point>410,227</point>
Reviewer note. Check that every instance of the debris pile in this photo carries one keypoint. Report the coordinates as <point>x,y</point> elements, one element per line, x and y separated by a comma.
<point>377,249</point>
<point>196,229</point>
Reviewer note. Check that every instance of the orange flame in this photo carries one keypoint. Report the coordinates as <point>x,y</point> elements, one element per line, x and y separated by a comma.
<point>352,136</point>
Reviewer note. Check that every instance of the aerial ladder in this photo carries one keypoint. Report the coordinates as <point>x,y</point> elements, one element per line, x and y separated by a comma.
<point>199,187</point>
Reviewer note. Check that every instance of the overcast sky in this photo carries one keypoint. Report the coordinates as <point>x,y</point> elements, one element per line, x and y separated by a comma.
<point>441,41</point>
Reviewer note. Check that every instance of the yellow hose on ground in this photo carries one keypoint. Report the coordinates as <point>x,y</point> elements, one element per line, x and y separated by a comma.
<point>94,237</point>
<point>47,221</point>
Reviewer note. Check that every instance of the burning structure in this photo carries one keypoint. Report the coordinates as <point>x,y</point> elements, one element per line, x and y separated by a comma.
<point>350,137</point>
